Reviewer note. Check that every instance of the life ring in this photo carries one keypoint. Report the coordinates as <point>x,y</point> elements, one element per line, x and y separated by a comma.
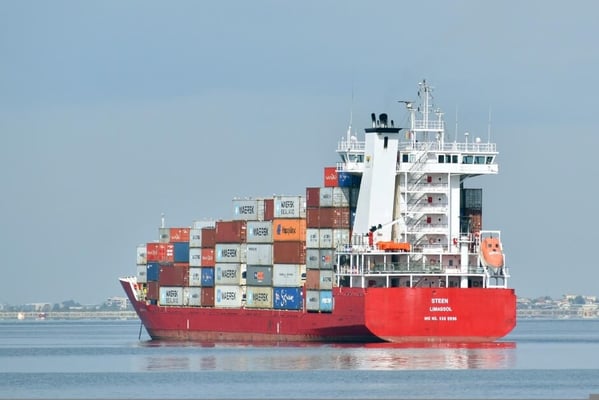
<point>455,241</point>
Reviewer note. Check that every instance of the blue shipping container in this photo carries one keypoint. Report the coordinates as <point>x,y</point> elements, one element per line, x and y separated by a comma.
<point>181,252</point>
<point>153,271</point>
<point>208,276</point>
<point>287,298</point>
<point>326,300</point>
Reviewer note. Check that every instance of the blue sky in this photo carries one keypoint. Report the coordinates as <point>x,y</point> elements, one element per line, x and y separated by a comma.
<point>113,112</point>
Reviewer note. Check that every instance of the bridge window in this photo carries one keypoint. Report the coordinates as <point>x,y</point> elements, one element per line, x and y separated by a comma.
<point>441,158</point>
<point>467,160</point>
<point>454,159</point>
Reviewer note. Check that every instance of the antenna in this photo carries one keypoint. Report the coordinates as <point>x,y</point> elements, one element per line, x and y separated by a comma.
<point>455,137</point>
<point>162,220</point>
<point>489,127</point>
<point>351,115</point>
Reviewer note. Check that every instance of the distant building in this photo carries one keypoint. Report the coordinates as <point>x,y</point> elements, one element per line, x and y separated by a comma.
<point>117,302</point>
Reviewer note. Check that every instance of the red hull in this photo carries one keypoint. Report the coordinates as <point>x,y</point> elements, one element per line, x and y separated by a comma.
<point>360,315</point>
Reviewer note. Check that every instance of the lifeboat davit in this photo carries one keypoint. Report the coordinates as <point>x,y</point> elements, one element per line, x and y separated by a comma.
<point>491,254</point>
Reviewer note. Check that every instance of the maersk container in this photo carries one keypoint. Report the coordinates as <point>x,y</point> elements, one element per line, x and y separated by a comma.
<point>326,197</point>
<point>287,275</point>
<point>326,238</point>
<point>259,275</point>
<point>171,296</point>
<point>312,300</point>
<point>258,297</point>
<point>228,274</point>
<point>289,207</point>
<point>227,296</point>
<point>312,238</point>
<point>142,258</point>
<point>192,296</point>
<point>287,298</point>
<point>249,210</point>
<point>181,252</point>
<point>207,276</point>
<point>142,273</point>
<point>259,232</point>
<point>259,254</point>
<point>153,271</point>
<point>230,252</point>
<point>326,300</point>
<point>313,258</point>
<point>195,257</point>
<point>195,276</point>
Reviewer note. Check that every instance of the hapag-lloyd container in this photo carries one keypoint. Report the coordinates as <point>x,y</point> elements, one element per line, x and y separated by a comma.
<point>227,296</point>
<point>289,229</point>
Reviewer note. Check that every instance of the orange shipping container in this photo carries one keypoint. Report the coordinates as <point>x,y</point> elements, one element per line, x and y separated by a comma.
<point>207,257</point>
<point>289,229</point>
<point>179,235</point>
<point>160,252</point>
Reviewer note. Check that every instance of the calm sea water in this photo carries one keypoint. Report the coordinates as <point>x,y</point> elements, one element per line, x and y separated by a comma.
<point>105,359</point>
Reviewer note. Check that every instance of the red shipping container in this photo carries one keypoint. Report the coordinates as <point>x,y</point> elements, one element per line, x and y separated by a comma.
<point>313,218</point>
<point>269,209</point>
<point>312,197</point>
<point>207,297</point>
<point>289,252</point>
<point>207,257</point>
<point>330,177</point>
<point>208,237</point>
<point>334,217</point>
<point>179,235</point>
<point>173,275</point>
<point>231,231</point>
<point>160,252</point>
<point>312,279</point>
<point>153,292</point>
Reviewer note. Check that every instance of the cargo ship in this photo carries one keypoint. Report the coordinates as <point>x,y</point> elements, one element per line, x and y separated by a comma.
<point>389,246</point>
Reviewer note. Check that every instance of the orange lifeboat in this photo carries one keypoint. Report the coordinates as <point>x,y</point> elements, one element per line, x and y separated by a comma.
<point>393,246</point>
<point>491,254</point>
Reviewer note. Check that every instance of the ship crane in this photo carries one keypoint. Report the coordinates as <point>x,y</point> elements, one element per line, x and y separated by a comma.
<point>387,245</point>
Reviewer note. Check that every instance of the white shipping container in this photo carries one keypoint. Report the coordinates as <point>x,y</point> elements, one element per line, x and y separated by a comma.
<point>326,238</point>
<point>195,237</point>
<point>192,296</point>
<point>195,257</point>
<point>340,238</point>
<point>164,235</point>
<point>171,296</point>
<point>142,274</point>
<point>312,300</point>
<point>227,296</point>
<point>259,254</point>
<point>326,197</point>
<point>341,196</point>
<point>195,276</point>
<point>203,224</point>
<point>258,297</point>
<point>287,275</point>
<point>259,232</point>
<point>313,258</point>
<point>228,274</point>
<point>312,238</point>
<point>142,254</point>
<point>230,252</point>
<point>326,279</point>
<point>248,210</point>
<point>290,207</point>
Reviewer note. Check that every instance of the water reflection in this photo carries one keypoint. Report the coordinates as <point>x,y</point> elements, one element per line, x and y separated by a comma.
<point>171,356</point>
